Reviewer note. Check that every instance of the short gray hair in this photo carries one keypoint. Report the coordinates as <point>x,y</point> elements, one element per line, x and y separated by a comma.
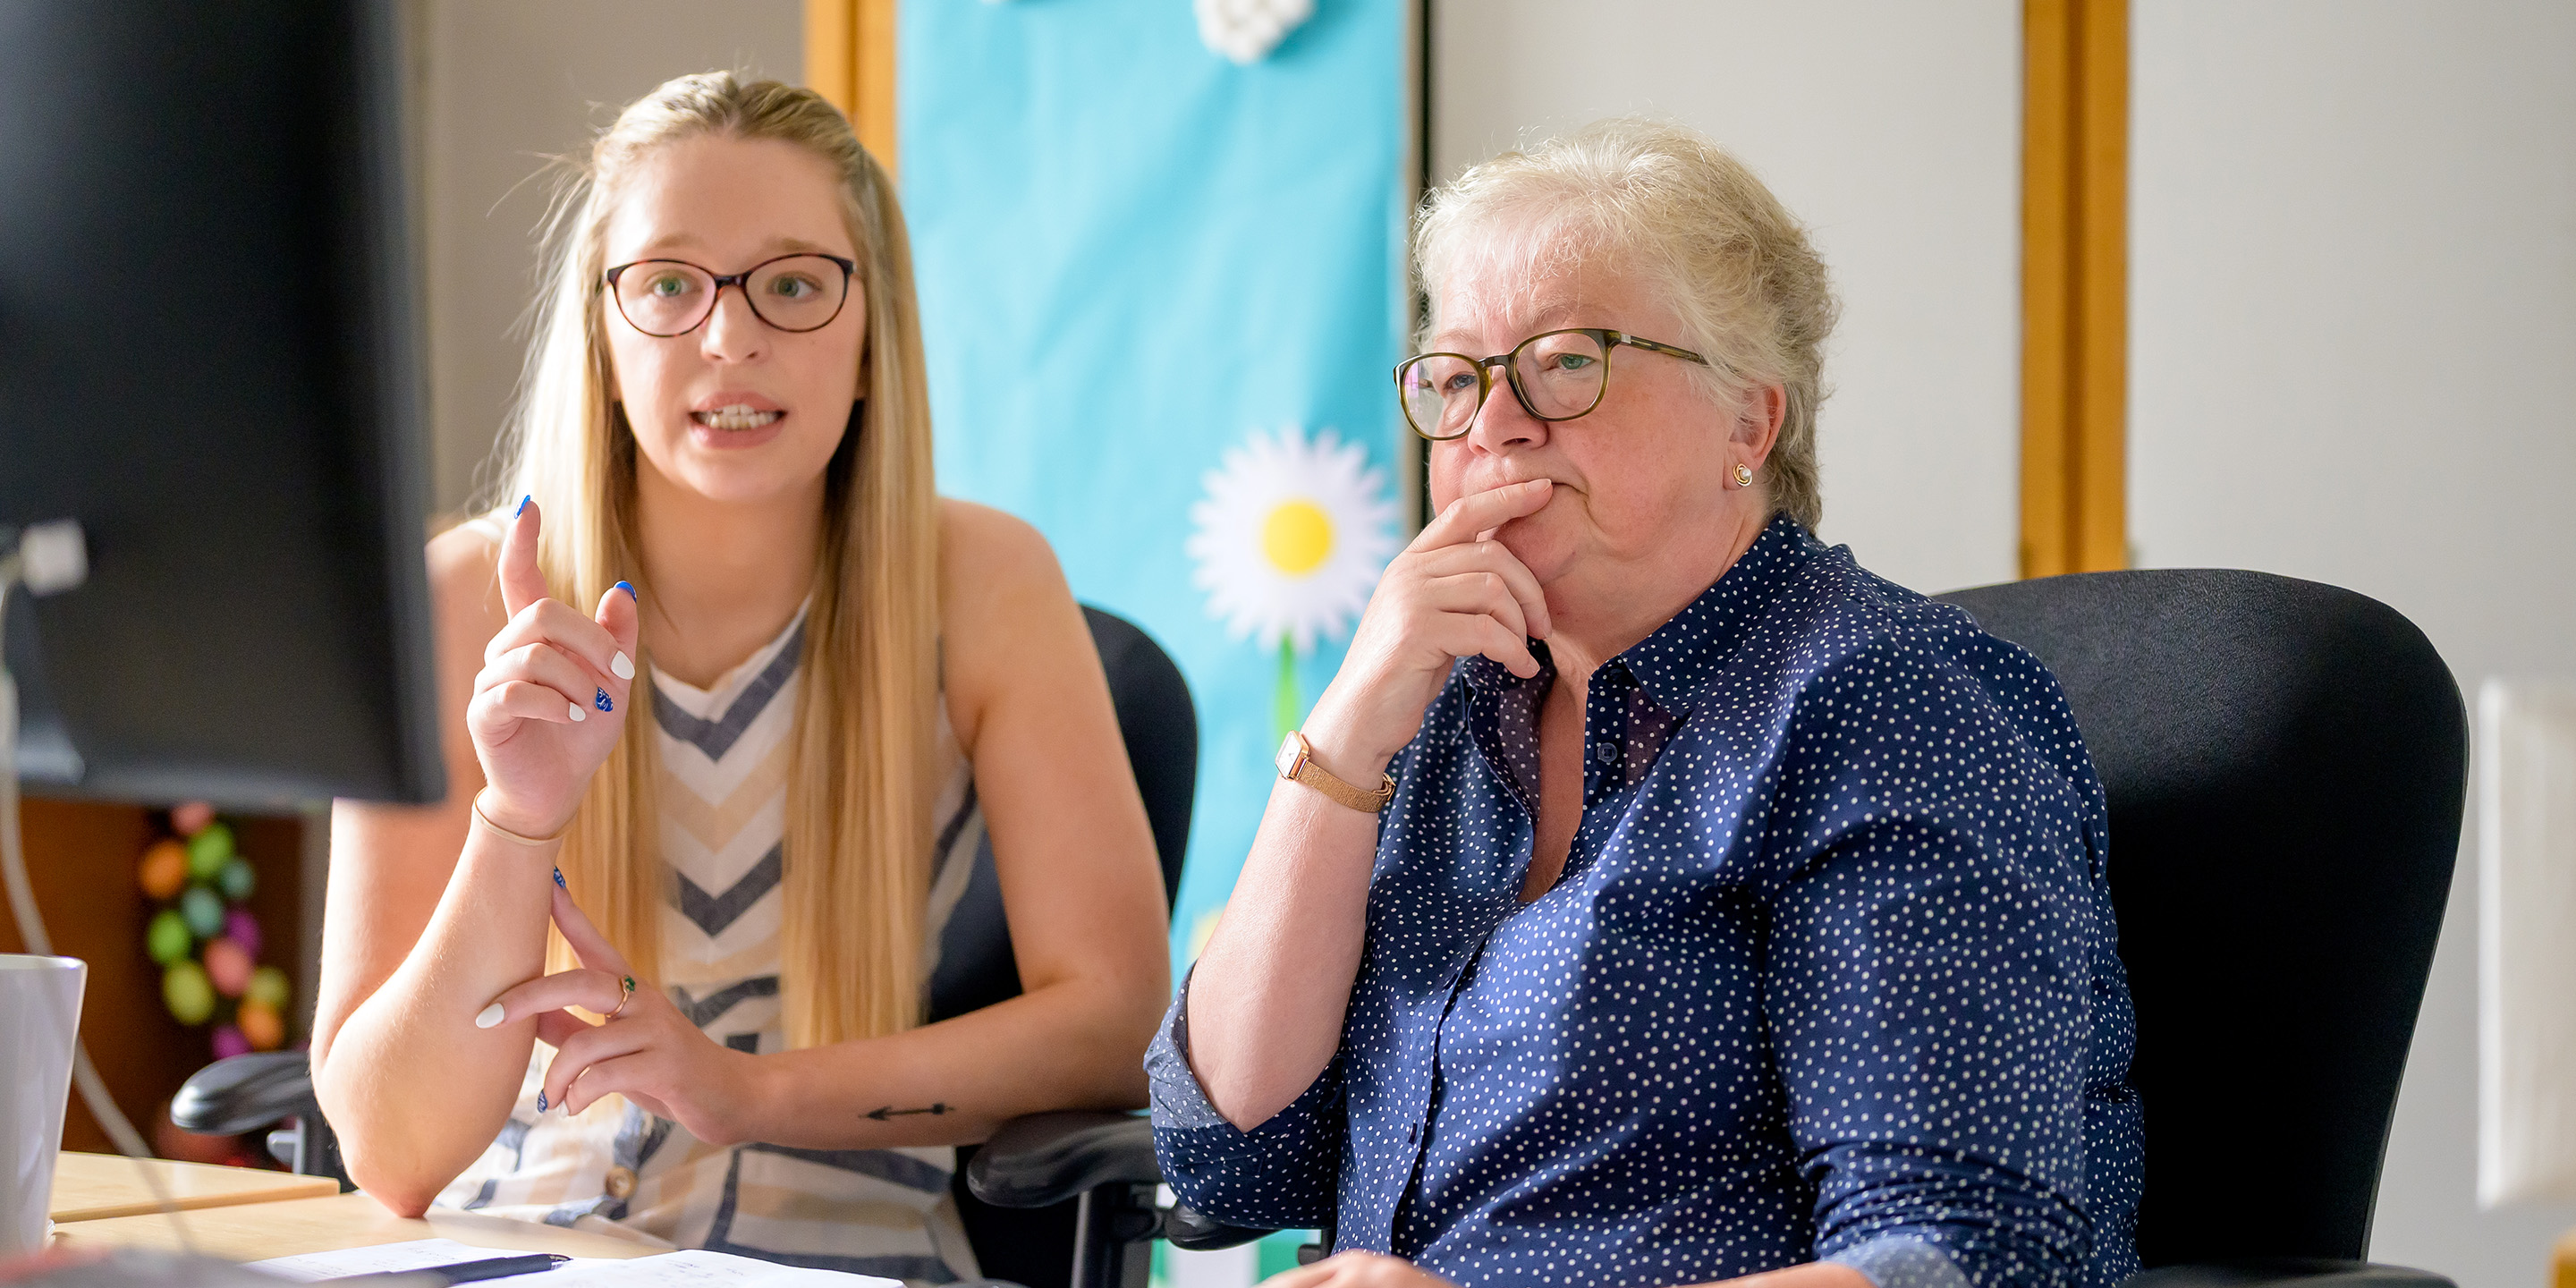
<point>1679,212</point>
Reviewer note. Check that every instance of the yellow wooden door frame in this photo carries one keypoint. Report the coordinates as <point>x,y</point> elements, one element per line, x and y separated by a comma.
<point>2074,360</point>
<point>849,59</point>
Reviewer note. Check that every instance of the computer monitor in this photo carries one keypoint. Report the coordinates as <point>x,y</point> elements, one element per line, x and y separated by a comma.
<point>210,358</point>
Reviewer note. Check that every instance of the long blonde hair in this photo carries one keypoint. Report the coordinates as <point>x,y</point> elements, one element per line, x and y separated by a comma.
<point>858,826</point>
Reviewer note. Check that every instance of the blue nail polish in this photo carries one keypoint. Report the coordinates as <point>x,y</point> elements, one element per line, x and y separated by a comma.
<point>559,885</point>
<point>630,590</point>
<point>541,1102</point>
<point>523,507</point>
<point>600,700</point>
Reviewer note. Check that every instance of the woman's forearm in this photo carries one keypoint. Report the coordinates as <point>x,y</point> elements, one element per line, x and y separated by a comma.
<point>413,1088</point>
<point>1267,999</point>
<point>1064,1045</point>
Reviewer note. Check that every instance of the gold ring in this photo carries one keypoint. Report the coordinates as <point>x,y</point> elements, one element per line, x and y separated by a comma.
<point>626,993</point>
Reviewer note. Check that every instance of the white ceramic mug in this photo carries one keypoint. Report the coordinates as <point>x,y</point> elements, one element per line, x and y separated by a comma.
<point>40,1001</point>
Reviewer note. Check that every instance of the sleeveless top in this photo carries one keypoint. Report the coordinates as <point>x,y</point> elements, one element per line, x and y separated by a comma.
<point>614,1169</point>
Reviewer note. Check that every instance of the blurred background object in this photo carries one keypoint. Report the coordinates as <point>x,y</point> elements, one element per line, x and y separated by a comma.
<point>79,857</point>
<point>2526,811</point>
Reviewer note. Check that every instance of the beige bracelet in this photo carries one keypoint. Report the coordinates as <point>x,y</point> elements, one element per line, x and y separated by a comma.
<point>521,838</point>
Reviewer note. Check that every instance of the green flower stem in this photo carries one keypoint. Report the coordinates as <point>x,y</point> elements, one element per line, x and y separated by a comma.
<point>1284,711</point>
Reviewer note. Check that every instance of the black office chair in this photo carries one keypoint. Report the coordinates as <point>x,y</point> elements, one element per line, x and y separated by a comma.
<point>1071,1218</point>
<point>2285,763</point>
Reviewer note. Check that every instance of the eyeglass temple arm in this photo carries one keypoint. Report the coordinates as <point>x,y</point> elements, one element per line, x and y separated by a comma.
<point>1653,347</point>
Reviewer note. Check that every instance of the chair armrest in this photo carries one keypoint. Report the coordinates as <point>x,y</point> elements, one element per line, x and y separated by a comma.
<point>1043,1159</point>
<point>245,1093</point>
<point>2285,1272</point>
<point>1187,1230</point>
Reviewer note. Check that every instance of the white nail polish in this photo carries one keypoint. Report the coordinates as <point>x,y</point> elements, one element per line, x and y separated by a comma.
<point>621,667</point>
<point>490,1016</point>
<point>575,708</point>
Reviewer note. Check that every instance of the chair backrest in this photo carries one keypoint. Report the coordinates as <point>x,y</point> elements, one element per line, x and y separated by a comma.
<point>2285,763</point>
<point>1161,728</point>
<point>1035,1246</point>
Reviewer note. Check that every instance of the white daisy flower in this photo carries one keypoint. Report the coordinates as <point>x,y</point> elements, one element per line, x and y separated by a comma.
<point>1291,537</point>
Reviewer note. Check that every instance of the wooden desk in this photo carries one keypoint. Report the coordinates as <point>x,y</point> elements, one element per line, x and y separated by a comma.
<point>88,1187</point>
<point>255,1231</point>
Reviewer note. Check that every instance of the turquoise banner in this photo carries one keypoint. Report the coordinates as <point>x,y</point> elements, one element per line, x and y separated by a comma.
<point>1162,291</point>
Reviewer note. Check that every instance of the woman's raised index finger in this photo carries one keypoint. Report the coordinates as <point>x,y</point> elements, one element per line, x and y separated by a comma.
<point>522,581</point>
<point>1481,512</point>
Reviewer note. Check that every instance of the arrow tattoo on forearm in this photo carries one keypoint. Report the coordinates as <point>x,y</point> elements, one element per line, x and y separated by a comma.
<point>883,1112</point>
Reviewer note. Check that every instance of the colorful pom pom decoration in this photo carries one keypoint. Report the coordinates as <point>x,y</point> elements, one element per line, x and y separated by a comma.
<point>165,869</point>
<point>209,851</point>
<point>204,938</point>
<point>167,939</point>
<point>228,966</point>
<point>260,1025</point>
<point>204,911</point>
<point>188,993</point>
<point>241,928</point>
<point>268,987</point>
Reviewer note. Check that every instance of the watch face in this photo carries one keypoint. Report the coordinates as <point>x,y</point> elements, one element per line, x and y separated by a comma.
<point>1291,750</point>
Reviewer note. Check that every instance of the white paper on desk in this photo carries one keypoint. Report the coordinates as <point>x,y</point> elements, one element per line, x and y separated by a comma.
<point>419,1254</point>
<point>696,1268</point>
<point>690,1268</point>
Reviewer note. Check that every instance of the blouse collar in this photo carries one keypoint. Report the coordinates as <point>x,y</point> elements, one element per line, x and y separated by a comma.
<point>1676,663</point>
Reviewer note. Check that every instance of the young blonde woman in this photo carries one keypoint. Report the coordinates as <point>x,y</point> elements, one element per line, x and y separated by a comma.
<point>729,693</point>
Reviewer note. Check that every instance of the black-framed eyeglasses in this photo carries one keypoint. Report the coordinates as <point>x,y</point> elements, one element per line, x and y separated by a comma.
<point>668,297</point>
<point>1556,375</point>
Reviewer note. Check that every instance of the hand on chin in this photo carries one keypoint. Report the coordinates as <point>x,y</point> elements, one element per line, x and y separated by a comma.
<point>1537,540</point>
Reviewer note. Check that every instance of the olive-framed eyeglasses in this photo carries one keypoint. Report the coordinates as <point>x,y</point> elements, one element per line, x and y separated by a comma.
<point>672,297</point>
<point>1556,375</point>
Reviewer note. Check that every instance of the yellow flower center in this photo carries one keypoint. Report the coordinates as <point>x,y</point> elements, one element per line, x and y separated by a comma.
<point>1297,537</point>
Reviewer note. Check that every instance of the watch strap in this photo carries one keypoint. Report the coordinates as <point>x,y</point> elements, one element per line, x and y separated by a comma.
<point>1310,774</point>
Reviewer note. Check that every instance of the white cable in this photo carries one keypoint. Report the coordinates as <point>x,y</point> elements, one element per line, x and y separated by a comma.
<point>52,557</point>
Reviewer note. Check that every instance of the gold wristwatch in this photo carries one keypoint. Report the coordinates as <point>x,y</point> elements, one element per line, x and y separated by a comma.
<point>1297,765</point>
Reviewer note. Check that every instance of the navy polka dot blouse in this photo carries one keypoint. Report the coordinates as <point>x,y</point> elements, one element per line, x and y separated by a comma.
<point>1830,973</point>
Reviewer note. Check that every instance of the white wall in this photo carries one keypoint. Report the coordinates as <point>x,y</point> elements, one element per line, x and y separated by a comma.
<point>2353,359</point>
<point>1894,129</point>
<point>500,85</point>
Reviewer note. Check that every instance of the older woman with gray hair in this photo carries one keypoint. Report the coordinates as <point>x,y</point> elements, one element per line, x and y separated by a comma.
<point>1656,896</point>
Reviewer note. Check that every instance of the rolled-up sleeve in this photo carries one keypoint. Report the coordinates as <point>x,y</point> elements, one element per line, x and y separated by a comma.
<point>1929,1009</point>
<point>1281,1175</point>
<point>1929,990</point>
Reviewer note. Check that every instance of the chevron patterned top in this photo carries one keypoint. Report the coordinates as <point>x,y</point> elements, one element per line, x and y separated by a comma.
<point>722,784</point>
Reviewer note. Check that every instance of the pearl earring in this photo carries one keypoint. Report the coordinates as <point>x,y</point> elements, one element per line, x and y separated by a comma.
<point>1743,474</point>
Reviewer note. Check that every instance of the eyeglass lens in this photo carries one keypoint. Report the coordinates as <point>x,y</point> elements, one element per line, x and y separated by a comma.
<point>667,298</point>
<point>1560,375</point>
